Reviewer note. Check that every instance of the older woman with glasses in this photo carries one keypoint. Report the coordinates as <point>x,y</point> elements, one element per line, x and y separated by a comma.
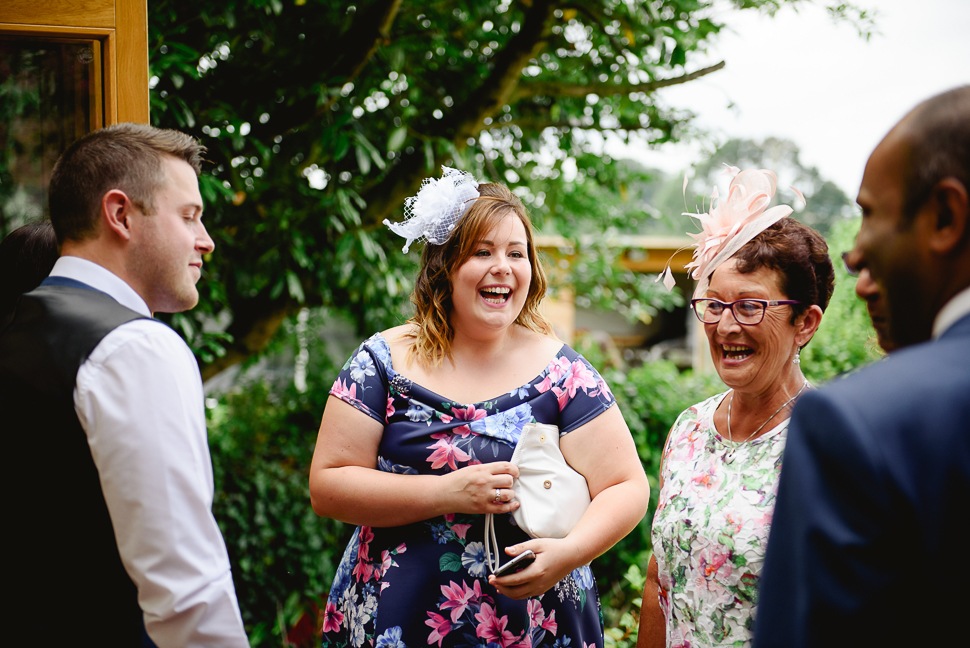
<point>764,281</point>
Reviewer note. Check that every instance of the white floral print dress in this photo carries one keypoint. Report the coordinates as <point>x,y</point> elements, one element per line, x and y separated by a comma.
<point>711,528</point>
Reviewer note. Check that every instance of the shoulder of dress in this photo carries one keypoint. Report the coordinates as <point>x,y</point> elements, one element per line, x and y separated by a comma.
<point>705,408</point>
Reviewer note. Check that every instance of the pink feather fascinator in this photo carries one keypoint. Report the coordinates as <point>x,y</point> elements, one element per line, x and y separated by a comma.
<point>731,222</point>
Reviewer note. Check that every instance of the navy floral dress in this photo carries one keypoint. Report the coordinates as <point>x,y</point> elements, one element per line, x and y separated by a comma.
<point>426,583</point>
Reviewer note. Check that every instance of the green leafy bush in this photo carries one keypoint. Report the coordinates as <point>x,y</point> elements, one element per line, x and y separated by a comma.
<point>845,340</point>
<point>283,555</point>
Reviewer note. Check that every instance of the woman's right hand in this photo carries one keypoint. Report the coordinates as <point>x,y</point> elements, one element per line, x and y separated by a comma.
<point>473,489</point>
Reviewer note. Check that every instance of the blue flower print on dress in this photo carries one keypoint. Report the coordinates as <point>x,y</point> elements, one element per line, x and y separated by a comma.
<point>378,346</point>
<point>419,412</point>
<point>342,579</point>
<point>357,615</point>
<point>386,466</point>
<point>441,533</point>
<point>521,392</point>
<point>505,426</point>
<point>473,559</point>
<point>361,367</point>
<point>583,576</point>
<point>390,639</point>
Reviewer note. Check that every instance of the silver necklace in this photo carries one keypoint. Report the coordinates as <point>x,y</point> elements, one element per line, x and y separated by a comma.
<point>786,404</point>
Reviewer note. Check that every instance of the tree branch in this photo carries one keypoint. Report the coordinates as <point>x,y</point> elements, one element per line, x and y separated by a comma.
<point>467,119</point>
<point>355,48</point>
<point>553,89</point>
<point>582,8</point>
<point>539,124</point>
<point>496,90</point>
<point>255,322</point>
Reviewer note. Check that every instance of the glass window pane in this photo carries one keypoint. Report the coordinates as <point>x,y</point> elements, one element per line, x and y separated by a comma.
<point>49,96</point>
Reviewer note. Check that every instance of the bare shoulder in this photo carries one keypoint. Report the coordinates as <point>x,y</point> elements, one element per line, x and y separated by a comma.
<point>400,337</point>
<point>537,344</point>
<point>399,340</point>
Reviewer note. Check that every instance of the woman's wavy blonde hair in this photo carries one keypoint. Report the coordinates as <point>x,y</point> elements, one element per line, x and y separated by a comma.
<point>432,290</point>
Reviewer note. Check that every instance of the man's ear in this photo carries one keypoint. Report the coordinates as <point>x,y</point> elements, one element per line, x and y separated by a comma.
<point>951,211</point>
<point>116,212</point>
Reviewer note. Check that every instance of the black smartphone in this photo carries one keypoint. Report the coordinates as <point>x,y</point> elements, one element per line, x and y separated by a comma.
<point>517,564</point>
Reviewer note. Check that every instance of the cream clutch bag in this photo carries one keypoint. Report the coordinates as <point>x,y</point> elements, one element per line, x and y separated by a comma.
<point>552,496</point>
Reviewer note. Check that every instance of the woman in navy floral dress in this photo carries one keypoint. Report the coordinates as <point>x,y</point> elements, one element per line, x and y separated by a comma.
<point>415,443</point>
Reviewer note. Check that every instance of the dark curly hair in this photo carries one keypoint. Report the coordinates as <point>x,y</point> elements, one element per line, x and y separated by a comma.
<point>800,256</point>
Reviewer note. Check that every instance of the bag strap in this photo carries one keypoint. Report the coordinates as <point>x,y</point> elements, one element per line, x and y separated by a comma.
<point>491,543</point>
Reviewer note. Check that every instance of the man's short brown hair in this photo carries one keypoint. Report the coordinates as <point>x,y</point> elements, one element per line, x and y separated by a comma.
<point>127,157</point>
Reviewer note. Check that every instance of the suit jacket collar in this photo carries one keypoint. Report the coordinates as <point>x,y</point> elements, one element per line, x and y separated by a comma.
<point>952,311</point>
<point>960,328</point>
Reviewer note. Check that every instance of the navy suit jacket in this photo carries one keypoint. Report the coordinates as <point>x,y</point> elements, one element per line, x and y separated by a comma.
<point>870,540</point>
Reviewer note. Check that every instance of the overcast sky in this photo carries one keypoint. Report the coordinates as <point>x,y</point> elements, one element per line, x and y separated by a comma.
<point>802,77</point>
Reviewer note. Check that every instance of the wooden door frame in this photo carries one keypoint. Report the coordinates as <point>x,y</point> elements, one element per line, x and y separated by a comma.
<point>121,26</point>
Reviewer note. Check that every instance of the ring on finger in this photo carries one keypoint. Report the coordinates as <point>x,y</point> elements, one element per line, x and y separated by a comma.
<point>498,495</point>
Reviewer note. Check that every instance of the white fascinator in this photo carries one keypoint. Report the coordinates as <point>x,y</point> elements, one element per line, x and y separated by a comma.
<point>432,214</point>
<point>732,222</point>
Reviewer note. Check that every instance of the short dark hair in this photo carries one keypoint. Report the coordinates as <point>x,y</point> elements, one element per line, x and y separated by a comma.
<point>938,139</point>
<point>127,157</point>
<point>800,255</point>
<point>27,255</point>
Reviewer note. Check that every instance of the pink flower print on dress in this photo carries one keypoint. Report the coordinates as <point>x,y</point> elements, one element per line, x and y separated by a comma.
<point>491,627</point>
<point>332,618</point>
<point>557,369</point>
<point>714,567</point>
<point>538,618</point>
<point>364,570</point>
<point>390,409</point>
<point>460,530</point>
<point>440,625</point>
<point>386,562</point>
<point>341,391</point>
<point>458,598</point>
<point>694,443</point>
<point>604,388</point>
<point>562,396</point>
<point>579,377</point>
<point>707,481</point>
<point>536,613</point>
<point>446,452</point>
<point>468,413</point>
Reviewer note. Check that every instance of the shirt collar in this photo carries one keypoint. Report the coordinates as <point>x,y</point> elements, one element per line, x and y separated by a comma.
<point>953,310</point>
<point>101,278</point>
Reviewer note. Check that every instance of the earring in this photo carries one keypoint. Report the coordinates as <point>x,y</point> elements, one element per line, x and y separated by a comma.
<point>798,357</point>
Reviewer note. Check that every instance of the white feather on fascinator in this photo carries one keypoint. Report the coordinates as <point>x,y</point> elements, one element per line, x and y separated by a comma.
<point>432,214</point>
<point>731,223</point>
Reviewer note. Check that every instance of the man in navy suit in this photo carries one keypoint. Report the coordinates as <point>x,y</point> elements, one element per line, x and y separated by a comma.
<point>869,534</point>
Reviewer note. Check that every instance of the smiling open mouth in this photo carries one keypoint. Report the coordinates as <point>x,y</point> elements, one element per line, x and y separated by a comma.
<point>732,352</point>
<point>495,295</point>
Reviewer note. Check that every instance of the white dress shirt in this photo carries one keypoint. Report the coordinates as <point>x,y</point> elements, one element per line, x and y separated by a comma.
<point>953,310</point>
<point>139,399</point>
